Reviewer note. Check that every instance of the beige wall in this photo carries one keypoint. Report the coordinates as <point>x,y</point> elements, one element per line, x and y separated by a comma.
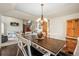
<point>0,29</point>
<point>58,26</point>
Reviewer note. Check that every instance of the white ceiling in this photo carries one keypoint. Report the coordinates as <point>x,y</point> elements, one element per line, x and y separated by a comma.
<point>26,10</point>
<point>4,7</point>
<point>18,14</point>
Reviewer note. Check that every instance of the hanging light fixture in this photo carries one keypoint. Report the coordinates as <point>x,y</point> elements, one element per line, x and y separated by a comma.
<point>42,11</point>
<point>41,20</point>
<point>42,15</point>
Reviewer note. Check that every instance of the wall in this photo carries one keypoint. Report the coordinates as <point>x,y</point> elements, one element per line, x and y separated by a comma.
<point>11,29</point>
<point>57,26</point>
<point>0,29</point>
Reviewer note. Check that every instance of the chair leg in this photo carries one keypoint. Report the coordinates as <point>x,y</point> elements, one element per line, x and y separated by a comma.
<point>24,52</point>
<point>29,50</point>
<point>17,52</point>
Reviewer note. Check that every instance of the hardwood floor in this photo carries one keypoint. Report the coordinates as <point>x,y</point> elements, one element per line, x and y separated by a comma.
<point>10,50</point>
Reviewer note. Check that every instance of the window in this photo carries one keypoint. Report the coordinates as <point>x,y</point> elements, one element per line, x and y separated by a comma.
<point>2,28</point>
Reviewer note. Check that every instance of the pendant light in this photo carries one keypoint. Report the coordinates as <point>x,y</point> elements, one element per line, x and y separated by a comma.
<point>42,11</point>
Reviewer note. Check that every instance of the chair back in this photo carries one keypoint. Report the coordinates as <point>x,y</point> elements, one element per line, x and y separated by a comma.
<point>76,52</point>
<point>27,43</point>
<point>21,46</point>
<point>22,42</point>
<point>28,35</point>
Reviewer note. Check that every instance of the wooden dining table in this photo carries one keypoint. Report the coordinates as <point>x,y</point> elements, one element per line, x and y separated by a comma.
<point>47,45</point>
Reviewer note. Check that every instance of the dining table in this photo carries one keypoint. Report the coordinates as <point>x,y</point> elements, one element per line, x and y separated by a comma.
<point>47,45</point>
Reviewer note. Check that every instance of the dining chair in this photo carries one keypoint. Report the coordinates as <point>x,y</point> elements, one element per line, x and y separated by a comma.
<point>76,52</point>
<point>46,54</point>
<point>22,42</point>
<point>21,46</point>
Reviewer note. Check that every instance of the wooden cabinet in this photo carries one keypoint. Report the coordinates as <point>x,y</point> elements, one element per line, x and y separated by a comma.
<point>73,28</point>
<point>72,34</point>
<point>77,30</point>
<point>70,28</point>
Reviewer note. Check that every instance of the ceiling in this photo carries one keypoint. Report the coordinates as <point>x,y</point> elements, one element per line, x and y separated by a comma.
<point>26,10</point>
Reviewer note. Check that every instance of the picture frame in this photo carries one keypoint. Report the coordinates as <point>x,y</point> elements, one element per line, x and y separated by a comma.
<point>14,24</point>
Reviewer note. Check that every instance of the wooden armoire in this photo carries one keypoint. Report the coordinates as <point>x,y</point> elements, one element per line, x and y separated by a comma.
<point>73,28</point>
<point>72,34</point>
